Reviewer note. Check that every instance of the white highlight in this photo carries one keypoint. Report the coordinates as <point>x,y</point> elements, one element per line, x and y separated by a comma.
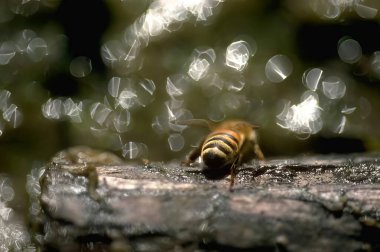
<point>13,234</point>
<point>37,49</point>
<point>52,109</point>
<point>349,51</point>
<point>80,67</point>
<point>176,142</point>
<point>148,85</point>
<point>198,69</point>
<point>114,86</point>
<point>176,85</point>
<point>13,115</point>
<point>213,86</point>
<point>122,121</point>
<point>237,55</point>
<point>100,112</point>
<point>73,110</point>
<point>133,150</point>
<point>278,68</point>
<point>375,63</point>
<point>311,78</point>
<point>25,43</point>
<point>366,11</point>
<point>130,150</point>
<point>303,118</point>
<point>6,190</point>
<point>235,84</point>
<point>334,87</point>
<point>23,39</point>
<point>333,9</point>
<point>59,108</point>
<point>4,99</point>
<point>346,110</point>
<point>161,16</point>
<point>130,93</point>
<point>127,99</point>
<point>341,126</point>
<point>7,52</point>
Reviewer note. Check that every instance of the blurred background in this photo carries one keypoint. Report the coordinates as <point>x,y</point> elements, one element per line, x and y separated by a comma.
<point>117,74</point>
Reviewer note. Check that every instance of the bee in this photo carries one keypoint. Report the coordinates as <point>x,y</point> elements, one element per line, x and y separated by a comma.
<point>229,144</point>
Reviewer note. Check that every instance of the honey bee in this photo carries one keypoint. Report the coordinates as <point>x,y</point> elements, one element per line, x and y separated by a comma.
<point>229,144</point>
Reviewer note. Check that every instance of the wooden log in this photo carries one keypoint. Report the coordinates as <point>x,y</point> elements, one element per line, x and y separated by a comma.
<point>93,201</point>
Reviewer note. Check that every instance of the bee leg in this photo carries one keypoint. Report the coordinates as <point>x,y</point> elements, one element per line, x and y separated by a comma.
<point>233,171</point>
<point>193,155</point>
<point>258,152</point>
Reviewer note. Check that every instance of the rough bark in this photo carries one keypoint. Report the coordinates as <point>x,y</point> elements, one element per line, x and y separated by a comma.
<point>93,201</point>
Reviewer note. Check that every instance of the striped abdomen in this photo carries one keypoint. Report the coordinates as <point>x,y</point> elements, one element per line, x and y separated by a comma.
<point>220,148</point>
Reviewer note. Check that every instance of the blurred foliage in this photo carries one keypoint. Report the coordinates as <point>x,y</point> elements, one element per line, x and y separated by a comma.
<point>306,32</point>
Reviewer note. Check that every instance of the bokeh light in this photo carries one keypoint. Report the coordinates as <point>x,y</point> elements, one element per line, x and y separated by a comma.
<point>348,110</point>
<point>100,112</point>
<point>80,67</point>
<point>278,68</point>
<point>238,54</point>
<point>334,9</point>
<point>341,126</point>
<point>198,69</point>
<point>11,113</point>
<point>215,78</point>
<point>25,42</point>
<point>303,118</point>
<point>37,49</point>
<point>311,78</point>
<point>122,121</point>
<point>176,142</point>
<point>333,87</point>
<point>349,50</point>
<point>13,235</point>
<point>130,150</point>
<point>60,109</point>
<point>375,64</point>
<point>7,52</point>
<point>177,85</point>
<point>367,11</point>
<point>162,16</point>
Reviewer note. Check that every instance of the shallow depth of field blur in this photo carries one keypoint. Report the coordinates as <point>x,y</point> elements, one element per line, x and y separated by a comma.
<point>117,74</point>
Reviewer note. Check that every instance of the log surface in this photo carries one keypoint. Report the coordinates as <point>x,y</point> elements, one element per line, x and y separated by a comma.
<point>93,201</point>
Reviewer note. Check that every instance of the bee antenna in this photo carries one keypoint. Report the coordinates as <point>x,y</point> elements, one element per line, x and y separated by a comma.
<point>255,126</point>
<point>197,122</point>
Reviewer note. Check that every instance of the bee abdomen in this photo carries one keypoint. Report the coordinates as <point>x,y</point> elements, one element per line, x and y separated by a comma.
<point>219,149</point>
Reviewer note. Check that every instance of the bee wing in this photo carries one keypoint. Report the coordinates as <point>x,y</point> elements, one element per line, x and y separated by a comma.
<point>245,124</point>
<point>253,126</point>
<point>197,122</point>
